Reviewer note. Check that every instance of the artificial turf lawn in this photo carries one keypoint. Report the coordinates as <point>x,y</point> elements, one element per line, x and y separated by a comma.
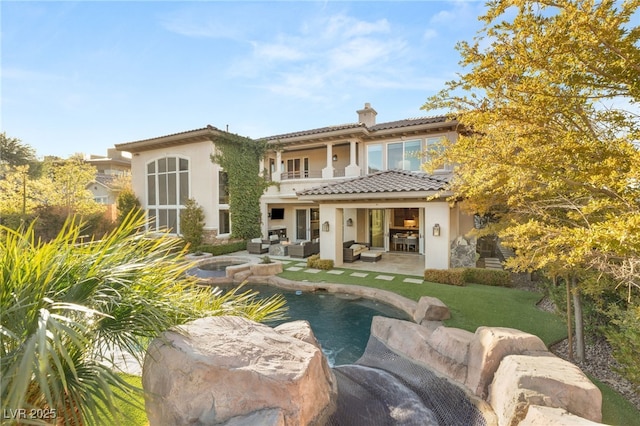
<point>471,306</point>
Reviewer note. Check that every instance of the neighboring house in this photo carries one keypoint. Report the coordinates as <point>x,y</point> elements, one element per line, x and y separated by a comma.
<point>360,181</point>
<point>109,169</point>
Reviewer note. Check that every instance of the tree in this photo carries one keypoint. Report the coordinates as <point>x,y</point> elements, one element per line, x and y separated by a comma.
<point>192,224</point>
<point>547,148</point>
<point>66,306</point>
<point>127,203</point>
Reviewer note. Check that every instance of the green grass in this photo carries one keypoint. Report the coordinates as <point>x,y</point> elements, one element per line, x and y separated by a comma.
<point>471,306</point>
<point>133,410</point>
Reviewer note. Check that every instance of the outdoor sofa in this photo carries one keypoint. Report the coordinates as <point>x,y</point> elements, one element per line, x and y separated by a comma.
<point>304,249</point>
<point>256,246</point>
<point>351,250</point>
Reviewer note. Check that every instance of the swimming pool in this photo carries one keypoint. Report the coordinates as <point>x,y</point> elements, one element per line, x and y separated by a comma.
<point>340,322</point>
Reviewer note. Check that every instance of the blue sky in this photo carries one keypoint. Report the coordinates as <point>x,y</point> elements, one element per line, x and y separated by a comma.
<point>83,76</point>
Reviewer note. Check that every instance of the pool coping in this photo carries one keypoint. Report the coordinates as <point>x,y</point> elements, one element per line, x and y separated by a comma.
<point>383,296</point>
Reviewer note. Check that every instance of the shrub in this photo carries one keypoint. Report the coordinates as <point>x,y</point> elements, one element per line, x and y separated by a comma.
<point>487,277</point>
<point>220,249</point>
<point>444,276</point>
<point>127,203</point>
<point>312,260</point>
<point>624,337</point>
<point>192,224</point>
<point>324,264</point>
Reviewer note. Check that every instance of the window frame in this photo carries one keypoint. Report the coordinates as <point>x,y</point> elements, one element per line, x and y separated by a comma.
<point>177,190</point>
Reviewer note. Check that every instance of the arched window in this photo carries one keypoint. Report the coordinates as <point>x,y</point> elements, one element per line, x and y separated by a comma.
<point>167,192</point>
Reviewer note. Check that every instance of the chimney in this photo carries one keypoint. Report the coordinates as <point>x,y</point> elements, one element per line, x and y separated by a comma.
<point>367,115</point>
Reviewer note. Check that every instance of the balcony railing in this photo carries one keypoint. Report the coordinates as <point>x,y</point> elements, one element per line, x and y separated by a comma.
<point>310,174</point>
<point>305,174</point>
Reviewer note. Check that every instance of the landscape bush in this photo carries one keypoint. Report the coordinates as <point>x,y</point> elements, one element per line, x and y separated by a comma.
<point>462,276</point>
<point>192,224</point>
<point>487,277</point>
<point>315,262</point>
<point>219,249</point>
<point>445,276</point>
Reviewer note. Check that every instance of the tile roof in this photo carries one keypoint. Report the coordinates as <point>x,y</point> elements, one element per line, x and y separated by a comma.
<point>408,122</point>
<point>317,131</point>
<point>105,179</point>
<point>387,181</point>
<point>361,126</point>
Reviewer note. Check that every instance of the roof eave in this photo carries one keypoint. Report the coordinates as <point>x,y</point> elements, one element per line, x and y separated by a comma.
<point>397,195</point>
<point>200,135</point>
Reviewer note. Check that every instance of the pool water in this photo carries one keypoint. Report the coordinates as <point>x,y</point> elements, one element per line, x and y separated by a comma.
<point>212,269</point>
<point>341,323</point>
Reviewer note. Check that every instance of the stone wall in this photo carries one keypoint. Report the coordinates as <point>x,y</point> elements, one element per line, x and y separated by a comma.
<point>511,370</point>
<point>463,253</point>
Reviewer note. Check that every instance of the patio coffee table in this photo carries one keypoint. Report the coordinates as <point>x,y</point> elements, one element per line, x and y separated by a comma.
<point>370,256</point>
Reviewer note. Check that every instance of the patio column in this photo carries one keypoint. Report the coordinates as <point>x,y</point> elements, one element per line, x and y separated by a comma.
<point>277,174</point>
<point>327,172</point>
<point>331,239</point>
<point>352,169</point>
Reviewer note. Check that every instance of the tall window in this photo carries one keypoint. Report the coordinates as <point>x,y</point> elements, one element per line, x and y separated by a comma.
<point>167,191</point>
<point>224,223</point>
<point>374,158</point>
<point>404,155</point>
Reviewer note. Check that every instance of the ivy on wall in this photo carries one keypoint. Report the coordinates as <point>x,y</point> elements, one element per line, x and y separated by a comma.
<point>240,158</point>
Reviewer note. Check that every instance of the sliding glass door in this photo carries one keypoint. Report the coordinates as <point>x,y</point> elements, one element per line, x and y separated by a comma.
<point>376,228</point>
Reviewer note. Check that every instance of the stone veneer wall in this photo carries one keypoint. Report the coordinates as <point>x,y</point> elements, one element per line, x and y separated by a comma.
<point>463,253</point>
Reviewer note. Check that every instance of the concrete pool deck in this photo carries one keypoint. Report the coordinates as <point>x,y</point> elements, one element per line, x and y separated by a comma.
<point>391,263</point>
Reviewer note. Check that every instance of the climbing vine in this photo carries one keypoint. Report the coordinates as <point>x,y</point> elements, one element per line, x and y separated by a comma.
<point>240,158</point>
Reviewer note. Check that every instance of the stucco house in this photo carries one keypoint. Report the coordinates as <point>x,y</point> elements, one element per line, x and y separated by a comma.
<point>358,182</point>
<point>109,169</point>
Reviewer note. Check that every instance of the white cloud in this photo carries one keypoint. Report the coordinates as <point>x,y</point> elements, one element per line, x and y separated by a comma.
<point>277,51</point>
<point>429,34</point>
<point>359,53</point>
<point>342,26</point>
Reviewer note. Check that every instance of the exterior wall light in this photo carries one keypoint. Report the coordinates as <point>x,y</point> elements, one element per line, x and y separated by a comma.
<point>436,230</point>
<point>325,226</point>
<point>349,222</point>
<point>335,157</point>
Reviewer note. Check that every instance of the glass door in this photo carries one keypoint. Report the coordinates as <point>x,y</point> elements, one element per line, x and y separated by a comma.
<point>302,225</point>
<point>315,223</point>
<point>376,228</point>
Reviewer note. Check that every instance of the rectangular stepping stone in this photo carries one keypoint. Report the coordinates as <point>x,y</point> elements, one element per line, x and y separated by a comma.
<point>358,274</point>
<point>294,268</point>
<point>413,280</point>
<point>335,272</point>
<point>384,277</point>
<point>302,264</point>
<point>312,270</point>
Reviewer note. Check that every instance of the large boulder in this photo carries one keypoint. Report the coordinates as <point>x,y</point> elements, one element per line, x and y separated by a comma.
<point>522,381</point>
<point>487,349</point>
<point>222,369</point>
<point>431,309</point>
<point>443,349</point>
<point>537,415</point>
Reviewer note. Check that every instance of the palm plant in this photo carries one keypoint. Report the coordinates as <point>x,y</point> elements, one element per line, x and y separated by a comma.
<point>65,306</point>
